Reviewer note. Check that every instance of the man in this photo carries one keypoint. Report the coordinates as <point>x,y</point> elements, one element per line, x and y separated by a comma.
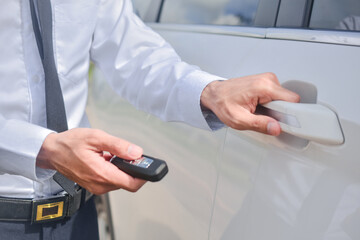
<point>140,66</point>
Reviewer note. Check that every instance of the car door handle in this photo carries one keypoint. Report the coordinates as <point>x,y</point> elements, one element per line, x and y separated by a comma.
<point>313,122</point>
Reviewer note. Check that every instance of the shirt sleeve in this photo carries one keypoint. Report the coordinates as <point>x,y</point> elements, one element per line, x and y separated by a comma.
<point>144,69</point>
<point>20,143</point>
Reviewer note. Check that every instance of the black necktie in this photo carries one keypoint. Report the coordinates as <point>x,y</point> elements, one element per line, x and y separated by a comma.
<point>55,109</point>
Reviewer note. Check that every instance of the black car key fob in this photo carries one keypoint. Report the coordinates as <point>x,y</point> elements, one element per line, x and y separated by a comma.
<point>147,168</point>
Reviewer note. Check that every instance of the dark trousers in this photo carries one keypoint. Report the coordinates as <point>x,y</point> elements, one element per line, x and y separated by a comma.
<point>82,225</point>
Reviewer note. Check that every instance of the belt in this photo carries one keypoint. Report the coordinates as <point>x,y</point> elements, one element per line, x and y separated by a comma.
<point>42,210</point>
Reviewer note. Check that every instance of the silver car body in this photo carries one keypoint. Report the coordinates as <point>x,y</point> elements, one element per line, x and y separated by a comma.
<point>231,184</point>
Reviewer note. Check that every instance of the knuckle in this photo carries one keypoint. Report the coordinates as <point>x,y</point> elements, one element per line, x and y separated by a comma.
<point>237,124</point>
<point>97,190</point>
<point>134,188</point>
<point>266,80</point>
<point>262,83</point>
<point>270,76</point>
<point>264,86</point>
<point>121,143</point>
<point>95,133</point>
<point>257,124</point>
<point>232,125</point>
<point>91,189</point>
<point>94,136</point>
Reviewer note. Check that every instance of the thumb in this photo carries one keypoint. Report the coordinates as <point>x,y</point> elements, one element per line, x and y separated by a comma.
<point>264,124</point>
<point>119,147</point>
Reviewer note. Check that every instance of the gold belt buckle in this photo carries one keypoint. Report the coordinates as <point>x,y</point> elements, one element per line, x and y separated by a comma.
<point>46,210</point>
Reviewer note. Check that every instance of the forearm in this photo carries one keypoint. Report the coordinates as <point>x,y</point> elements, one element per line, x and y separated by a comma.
<point>144,69</point>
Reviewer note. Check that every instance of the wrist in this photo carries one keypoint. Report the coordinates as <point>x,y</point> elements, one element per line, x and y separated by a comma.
<point>208,95</point>
<point>43,159</point>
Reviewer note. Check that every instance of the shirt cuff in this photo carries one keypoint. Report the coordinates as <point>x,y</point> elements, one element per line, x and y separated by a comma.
<point>212,120</point>
<point>195,83</point>
<point>20,143</point>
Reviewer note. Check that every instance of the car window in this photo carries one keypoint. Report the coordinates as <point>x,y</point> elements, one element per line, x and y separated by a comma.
<point>141,7</point>
<point>336,14</point>
<point>218,12</point>
<point>148,10</point>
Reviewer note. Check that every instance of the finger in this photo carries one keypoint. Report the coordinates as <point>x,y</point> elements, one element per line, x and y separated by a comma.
<point>107,156</point>
<point>262,124</point>
<point>122,180</point>
<point>117,146</point>
<point>122,148</point>
<point>108,177</point>
<point>280,93</point>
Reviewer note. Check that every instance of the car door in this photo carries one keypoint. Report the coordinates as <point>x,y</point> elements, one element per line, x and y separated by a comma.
<point>238,184</point>
<point>299,189</point>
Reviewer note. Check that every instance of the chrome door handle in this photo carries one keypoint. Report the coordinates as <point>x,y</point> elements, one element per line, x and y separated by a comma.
<point>313,122</point>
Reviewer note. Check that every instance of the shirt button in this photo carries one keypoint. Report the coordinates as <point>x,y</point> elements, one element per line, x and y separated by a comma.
<point>36,79</point>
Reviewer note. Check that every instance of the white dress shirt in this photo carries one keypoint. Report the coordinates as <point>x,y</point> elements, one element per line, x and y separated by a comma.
<point>137,62</point>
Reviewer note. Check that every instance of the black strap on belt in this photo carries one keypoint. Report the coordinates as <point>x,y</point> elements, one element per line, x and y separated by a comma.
<point>55,108</point>
<point>42,210</point>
